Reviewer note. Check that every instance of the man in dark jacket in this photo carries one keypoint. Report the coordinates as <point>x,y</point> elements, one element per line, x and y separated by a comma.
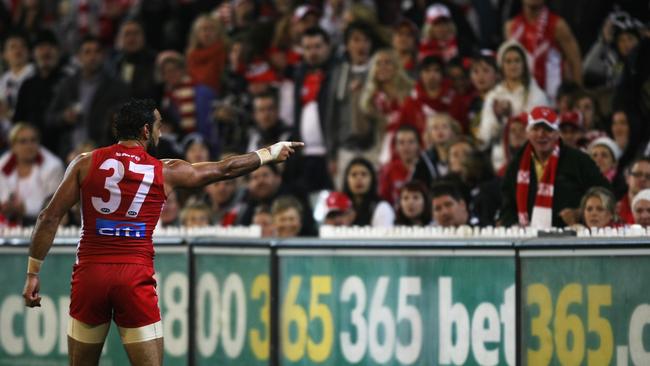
<point>135,63</point>
<point>83,103</point>
<point>546,180</point>
<point>36,93</point>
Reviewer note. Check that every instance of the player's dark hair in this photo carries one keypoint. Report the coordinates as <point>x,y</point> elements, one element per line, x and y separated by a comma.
<point>131,116</point>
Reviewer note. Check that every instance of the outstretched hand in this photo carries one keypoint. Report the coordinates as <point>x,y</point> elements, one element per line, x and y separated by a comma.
<point>31,290</point>
<point>279,152</point>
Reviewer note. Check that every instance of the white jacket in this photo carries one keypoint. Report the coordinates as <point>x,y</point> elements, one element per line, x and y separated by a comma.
<point>34,189</point>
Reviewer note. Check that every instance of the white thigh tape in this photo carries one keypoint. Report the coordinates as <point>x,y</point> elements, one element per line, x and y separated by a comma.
<point>85,333</point>
<point>141,334</point>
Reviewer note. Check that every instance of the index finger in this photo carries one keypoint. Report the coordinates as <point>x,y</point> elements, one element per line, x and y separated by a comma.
<point>297,144</point>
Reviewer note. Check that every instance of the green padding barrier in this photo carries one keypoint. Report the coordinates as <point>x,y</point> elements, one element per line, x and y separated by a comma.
<point>579,302</point>
<point>408,307</point>
<point>586,307</point>
<point>232,299</point>
<point>38,336</point>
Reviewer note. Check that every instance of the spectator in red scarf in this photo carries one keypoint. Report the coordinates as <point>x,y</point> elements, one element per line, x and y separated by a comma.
<point>311,94</point>
<point>546,179</point>
<point>206,52</point>
<point>409,159</point>
<point>431,94</point>
<point>548,38</point>
<point>439,34</point>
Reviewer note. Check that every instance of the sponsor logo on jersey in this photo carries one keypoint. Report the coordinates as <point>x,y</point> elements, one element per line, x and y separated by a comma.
<point>127,229</point>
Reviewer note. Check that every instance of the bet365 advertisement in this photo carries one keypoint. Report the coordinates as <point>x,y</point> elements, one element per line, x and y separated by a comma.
<point>348,307</point>
<point>590,307</point>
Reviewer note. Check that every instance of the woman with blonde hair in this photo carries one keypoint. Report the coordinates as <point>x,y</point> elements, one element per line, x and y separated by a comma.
<point>206,51</point>
<point>383,95</point>
<point>598,208</point>
<point>442,130</point>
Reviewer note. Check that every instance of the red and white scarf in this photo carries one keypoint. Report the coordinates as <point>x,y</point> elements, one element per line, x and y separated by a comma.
<point>542,216</point>
<point>182,97</point>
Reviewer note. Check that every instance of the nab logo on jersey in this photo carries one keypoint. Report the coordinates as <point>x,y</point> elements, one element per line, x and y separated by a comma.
<point>136,230</point>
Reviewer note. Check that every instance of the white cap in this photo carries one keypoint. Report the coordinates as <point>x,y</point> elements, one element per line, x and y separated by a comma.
<point>436,11</point>
<point>608,143</point>
<point>644,194</point>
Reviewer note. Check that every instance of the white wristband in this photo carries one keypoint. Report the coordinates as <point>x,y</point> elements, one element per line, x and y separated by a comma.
<point>264,155</point>
<point>271,153</point>
<point>34,265</point>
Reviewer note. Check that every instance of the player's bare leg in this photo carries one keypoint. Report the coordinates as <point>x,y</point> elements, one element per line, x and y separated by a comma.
<point>85,342</point>
<point>82,354</point>
<point>144,345</point>
<point>148,353</point>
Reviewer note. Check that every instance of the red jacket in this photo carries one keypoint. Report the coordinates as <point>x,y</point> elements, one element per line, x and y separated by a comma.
<point>624,210</point>
<point>392,177</point>
<point>418,106</point>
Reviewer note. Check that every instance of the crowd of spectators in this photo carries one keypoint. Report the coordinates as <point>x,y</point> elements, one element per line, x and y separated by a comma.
<point>447,113</point>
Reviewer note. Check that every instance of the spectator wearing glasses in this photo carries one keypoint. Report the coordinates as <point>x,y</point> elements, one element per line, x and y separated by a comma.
<point>29,174</point>
<point>637,179</point>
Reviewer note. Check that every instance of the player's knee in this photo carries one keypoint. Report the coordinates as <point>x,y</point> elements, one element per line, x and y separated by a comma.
<point>86,333</point>
<point>141,334</point>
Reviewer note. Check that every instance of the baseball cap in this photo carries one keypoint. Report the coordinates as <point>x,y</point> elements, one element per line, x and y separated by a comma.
<point>545,115</point>
<point>572,118</point>
<point>608,143</point>
<point>436,12</point>
<point>260,72</point>
<point>304,10</point>
<point>338,201</point>
<point>519,118</point>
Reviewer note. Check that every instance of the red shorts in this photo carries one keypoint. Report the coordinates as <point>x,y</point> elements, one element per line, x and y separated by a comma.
<point>124,292</point>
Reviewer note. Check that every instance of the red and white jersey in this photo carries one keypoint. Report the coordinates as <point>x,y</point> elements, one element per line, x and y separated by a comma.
<point>538,38</point>
<point>121,200</point>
